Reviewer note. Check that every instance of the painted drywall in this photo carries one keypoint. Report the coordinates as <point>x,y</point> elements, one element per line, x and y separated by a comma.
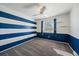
<point>75,21</point>
<point>16,12</point>
<point>15,28</point>
<point>63,23</point>
<point>74,27</point>
<point>38,25</point>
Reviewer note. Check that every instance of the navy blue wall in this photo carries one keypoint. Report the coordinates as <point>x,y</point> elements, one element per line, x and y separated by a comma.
<point>57,37</point>
<point>74,43</point>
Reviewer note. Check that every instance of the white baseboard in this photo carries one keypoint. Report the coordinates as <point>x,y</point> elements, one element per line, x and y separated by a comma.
<point>75,54</point>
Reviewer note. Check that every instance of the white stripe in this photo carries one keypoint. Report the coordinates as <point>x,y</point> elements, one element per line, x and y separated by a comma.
<point>11,21</point>
<point>10,40</point>
<point>8,31</point>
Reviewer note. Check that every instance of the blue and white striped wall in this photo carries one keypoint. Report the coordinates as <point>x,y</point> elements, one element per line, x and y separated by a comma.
<point>15,30</point>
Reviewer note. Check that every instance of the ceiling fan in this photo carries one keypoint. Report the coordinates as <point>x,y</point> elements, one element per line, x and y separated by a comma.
<point>42,9</point>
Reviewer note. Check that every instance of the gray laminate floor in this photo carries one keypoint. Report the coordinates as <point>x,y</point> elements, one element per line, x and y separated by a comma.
<point>39,47</point>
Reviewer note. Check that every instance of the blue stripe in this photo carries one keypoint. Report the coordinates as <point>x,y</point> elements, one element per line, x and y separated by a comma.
<point>4,25</point>
<point>14,43</point>
<point>10,16</point>
<point>52,36</point>
<point>6,36</point>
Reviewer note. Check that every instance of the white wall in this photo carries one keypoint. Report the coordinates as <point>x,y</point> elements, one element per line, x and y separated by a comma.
<point>63,23</point>
<point>16,12</point>
<point>75,20</point>
<point>38,25</point>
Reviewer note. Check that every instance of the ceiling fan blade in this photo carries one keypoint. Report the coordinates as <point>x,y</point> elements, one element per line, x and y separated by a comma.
<point>42,9</point>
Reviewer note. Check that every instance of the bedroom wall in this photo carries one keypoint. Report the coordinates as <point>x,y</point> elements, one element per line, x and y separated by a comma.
<point>62,28</point>
<point>74,22</point>
<point>15,28</point>
<point>63,24</point>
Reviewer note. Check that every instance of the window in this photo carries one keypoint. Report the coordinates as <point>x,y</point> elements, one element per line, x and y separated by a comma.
<point>49,25</point>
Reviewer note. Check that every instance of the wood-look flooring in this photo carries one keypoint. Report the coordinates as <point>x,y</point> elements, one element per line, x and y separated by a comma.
<point>39,47</point>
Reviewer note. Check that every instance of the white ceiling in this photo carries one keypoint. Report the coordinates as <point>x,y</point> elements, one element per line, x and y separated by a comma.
<point>52,9</point>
